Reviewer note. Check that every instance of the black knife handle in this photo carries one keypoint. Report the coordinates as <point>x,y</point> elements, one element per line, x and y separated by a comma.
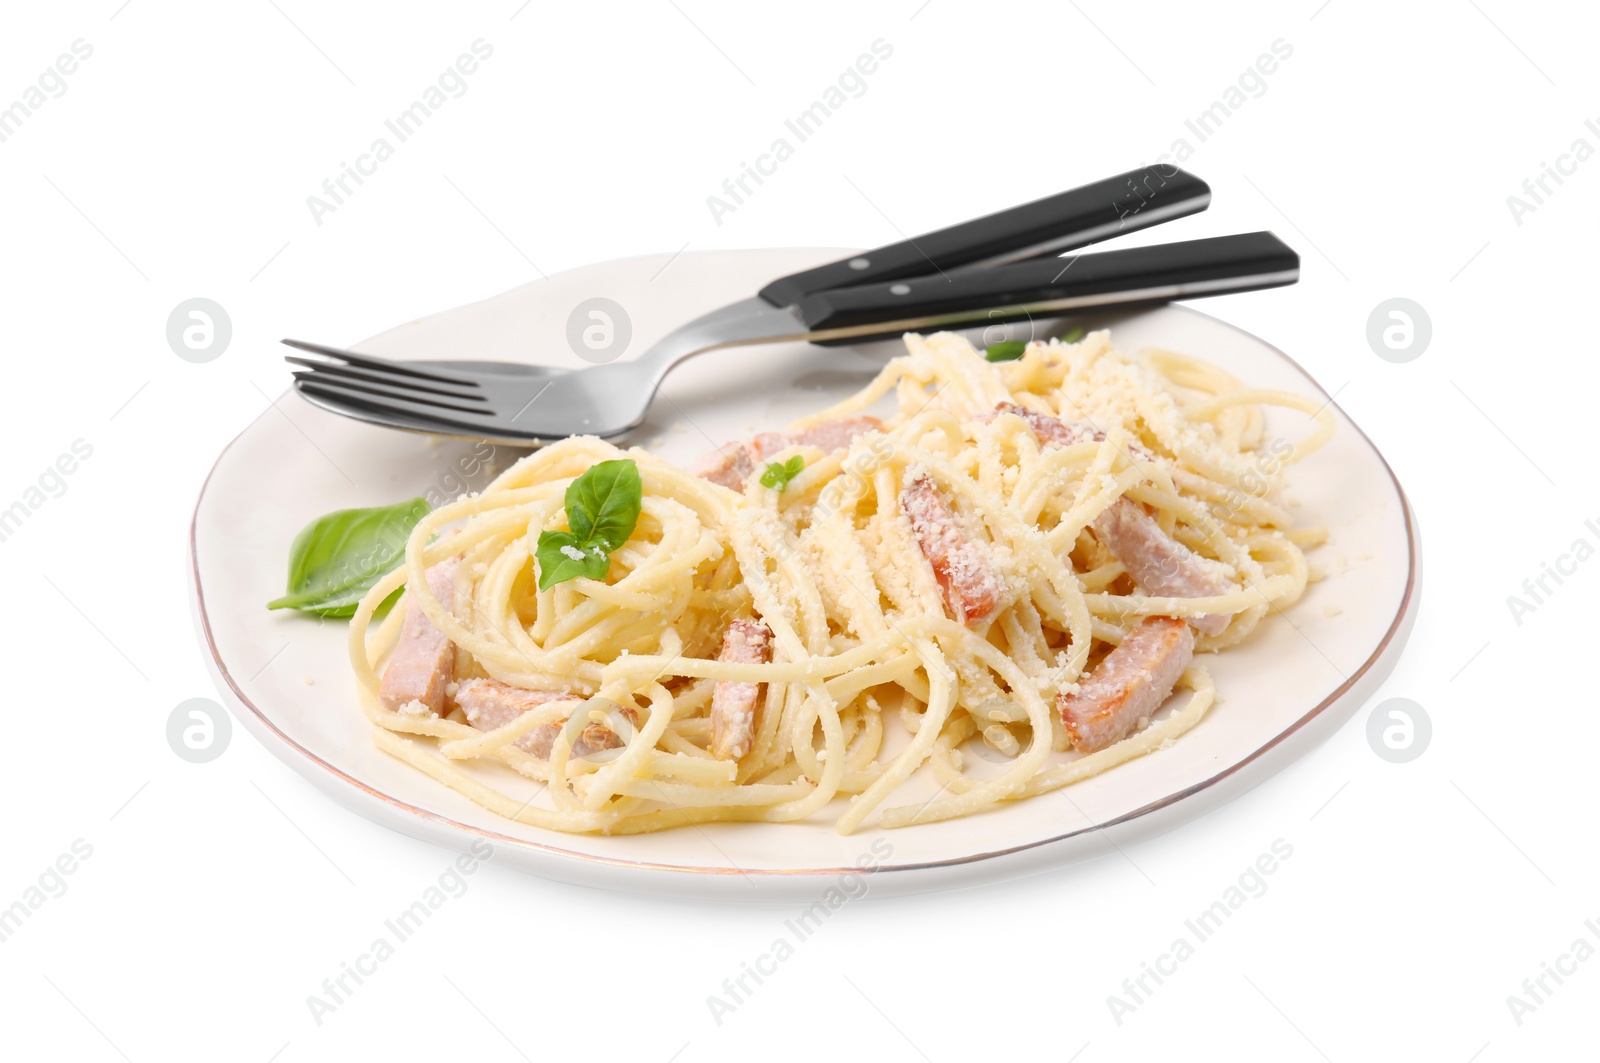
<point>1136,276</point>
<point>1121,204</point>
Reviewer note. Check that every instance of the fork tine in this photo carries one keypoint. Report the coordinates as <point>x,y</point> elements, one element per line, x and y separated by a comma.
<point>396,416</point>
<point>337,369</point>
<point>413,404</point>
<point>366,361</point>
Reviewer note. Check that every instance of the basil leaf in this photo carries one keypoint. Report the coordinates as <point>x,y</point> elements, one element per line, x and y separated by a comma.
<point>1006,351</point>
<point>557,562</point>
<point>603,504</point>
<point>777,476</point>
<point>1073,334</point>
<point>337,558</point>
<point>602,510</point>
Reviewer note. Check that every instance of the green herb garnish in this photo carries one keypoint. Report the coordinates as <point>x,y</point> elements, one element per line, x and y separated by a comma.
<point>336,559</point>
<point>602,509</point>
<point>1006,351</point>
<point>1073,334</point>
<point>777,476</point>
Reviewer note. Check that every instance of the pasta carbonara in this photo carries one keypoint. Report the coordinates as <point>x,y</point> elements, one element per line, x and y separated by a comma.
<point>1002,582</point>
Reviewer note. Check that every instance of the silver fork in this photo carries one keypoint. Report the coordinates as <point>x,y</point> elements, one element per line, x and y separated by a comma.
<point>524,405</point>
<point>977,272</point>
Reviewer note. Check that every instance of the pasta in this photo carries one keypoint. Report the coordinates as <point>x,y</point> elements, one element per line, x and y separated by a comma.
<point>940,592</point>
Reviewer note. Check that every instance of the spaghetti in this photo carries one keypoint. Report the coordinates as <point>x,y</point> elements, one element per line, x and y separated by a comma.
<point>938,592</point>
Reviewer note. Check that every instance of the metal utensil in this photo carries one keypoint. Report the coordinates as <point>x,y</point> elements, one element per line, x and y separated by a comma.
<point>981,271</point>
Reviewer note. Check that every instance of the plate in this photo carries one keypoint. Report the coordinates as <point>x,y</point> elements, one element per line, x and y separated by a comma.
<point>287,679</point>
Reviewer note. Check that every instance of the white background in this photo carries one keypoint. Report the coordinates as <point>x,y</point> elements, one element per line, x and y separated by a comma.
<point>219,896</point>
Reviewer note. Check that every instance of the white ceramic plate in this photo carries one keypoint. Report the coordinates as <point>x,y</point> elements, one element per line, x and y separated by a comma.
<point>287,679</point>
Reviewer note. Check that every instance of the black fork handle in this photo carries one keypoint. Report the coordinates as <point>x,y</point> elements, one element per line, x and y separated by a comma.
<point>1076,218</point>
<point>1136,276</point>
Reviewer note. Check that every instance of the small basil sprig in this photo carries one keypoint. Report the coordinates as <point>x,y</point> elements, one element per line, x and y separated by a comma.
<point>1005,351</point>
<point>1073,334</point>
<point>777,475</point>
<point>602,509</point>
<point>336,559</point>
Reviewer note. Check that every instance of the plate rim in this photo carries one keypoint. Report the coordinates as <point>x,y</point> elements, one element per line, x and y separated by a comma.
<point>1403,614</point>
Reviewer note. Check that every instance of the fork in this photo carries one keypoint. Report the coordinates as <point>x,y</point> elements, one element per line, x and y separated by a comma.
<point>981,271</point>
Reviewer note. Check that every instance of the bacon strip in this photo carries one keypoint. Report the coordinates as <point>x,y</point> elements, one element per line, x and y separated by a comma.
<point>1129,684</point>
<point>1158,563</point>
<point>1049,429</point>
<point>829,436</point>
<point>733,704</point>
<point>424,660</point>
<point>490,704</point>
<point>972,589</point>
<point>732,464</point>
<point>729,466</point>
<point>1054,431</point>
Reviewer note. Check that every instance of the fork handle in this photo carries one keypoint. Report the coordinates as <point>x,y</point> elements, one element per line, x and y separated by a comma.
<point>1121,204</point>
<point>1053,286</point>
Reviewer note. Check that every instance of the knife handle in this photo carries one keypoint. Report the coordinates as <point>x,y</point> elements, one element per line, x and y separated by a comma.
<point>1054,286</point>
<point>1121,204</point>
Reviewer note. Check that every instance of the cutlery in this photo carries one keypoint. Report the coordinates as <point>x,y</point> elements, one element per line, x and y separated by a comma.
<point>984,271</point>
